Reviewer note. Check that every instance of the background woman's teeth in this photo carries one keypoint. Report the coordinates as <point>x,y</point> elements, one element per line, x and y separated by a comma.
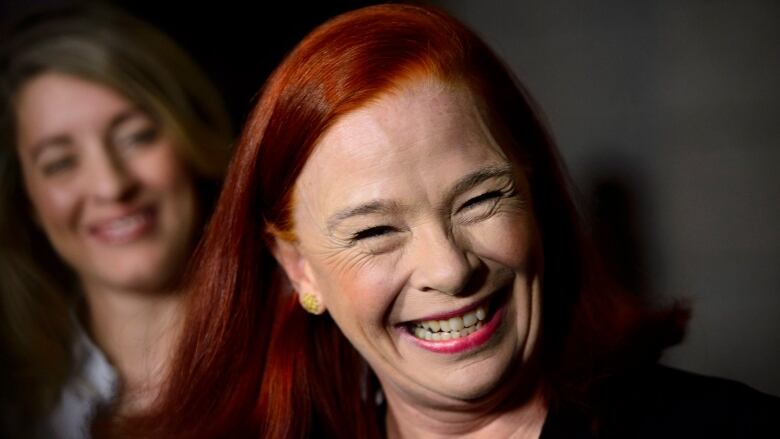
<point>434,325</point>
<point>444,325</point>
<point>481,314</point>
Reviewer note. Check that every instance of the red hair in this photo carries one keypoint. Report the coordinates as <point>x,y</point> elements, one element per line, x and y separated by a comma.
<point>252,362</point>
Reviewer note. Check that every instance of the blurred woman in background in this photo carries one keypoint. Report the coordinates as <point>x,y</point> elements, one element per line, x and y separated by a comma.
<point>113,148</point>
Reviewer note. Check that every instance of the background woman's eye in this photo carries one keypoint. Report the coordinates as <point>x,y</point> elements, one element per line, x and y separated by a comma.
<point>138,138</point>
<point>59,165</point>
<point>372,232</point>
<point>481,198</point>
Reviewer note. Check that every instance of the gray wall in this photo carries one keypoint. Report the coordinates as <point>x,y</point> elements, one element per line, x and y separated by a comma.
<point>672,106</point>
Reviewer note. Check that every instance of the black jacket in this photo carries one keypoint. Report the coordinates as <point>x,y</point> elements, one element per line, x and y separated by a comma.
<point>661,402</point>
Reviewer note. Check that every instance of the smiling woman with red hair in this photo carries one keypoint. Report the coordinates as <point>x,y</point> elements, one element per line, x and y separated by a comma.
<point>395,175</point>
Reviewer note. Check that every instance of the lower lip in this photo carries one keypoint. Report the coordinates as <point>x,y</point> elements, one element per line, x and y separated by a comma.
<point>137,232</point>
<point>462,344</point>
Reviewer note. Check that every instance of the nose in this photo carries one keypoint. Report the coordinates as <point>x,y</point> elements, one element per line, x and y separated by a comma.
<point>110,180</point>
<point>441,263</point>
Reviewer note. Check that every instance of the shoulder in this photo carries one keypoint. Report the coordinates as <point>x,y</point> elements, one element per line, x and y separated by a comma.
<point>90,388</point>
<point>660,401</point>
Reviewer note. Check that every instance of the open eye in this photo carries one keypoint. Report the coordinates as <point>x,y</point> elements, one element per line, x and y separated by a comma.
<point>371,232</point>
<point>487,196</point>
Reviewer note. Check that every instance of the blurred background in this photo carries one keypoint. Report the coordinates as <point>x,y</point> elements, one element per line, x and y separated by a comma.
<point>667,113</point>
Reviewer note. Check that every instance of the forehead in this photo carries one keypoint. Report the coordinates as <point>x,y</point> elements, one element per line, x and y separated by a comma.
<point>51,103</point>
<point>419,112</point>
<point>423,134</point>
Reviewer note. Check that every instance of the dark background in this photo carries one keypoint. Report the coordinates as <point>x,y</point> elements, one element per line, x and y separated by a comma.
<point>238,43</point>
<point>667,113</point>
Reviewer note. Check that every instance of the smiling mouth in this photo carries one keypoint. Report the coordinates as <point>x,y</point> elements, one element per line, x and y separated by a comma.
<point>126,228</point>
<point>453,327</point>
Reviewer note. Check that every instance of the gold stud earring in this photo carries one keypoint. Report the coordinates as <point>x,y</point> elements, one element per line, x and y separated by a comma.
<point>311,304</point>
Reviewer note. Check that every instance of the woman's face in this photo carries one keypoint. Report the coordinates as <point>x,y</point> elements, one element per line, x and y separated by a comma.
<point>418,234</point>
<point>105,183</point>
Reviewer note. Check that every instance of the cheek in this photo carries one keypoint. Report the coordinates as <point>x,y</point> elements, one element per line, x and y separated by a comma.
<point>361,293</point>
<point>163,170</point>
<point>53,205</point>
<point>511,240</point>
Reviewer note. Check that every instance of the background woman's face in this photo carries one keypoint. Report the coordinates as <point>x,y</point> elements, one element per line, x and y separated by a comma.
<point>105,183</point>
<point>419,236</point>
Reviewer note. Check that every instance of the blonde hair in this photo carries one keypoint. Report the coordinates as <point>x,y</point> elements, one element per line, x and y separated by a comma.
<point>106,46</point>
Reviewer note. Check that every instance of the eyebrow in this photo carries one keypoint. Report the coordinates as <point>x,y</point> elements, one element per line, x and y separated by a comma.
<point>475,178</point>
<point>381,206</point>
<point>124,116</point>
<point>371,207</point>
<point>62,140</point>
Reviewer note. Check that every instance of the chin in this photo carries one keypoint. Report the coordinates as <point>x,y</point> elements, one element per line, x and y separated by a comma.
<point>471,379</point>
<point>143,273</point>
<point>479,380</point>
<point>469,389</point>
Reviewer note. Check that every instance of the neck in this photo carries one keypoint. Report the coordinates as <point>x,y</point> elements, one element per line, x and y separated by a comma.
<point>136,331</point>
<point>519,421</point>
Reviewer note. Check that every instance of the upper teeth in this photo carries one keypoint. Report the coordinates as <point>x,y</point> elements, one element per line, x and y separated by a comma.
<point>124,225</point>
<point>454,327</point>
<point>126,222</point>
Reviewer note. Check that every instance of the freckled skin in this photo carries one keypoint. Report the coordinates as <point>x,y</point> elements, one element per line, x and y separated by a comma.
<point>420,252</point>
<point>105,159</point>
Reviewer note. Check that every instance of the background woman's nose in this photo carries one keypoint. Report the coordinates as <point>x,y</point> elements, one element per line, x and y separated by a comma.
<point>109,178</point>
<point>441,263</point>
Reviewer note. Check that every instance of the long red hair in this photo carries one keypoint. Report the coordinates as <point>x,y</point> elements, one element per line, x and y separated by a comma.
<point>251,361</point>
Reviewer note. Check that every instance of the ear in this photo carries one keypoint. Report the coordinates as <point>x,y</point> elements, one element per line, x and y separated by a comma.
<point>298,270</point>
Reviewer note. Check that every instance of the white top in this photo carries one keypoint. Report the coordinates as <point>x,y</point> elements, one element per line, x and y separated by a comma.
<point>91,387</point>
